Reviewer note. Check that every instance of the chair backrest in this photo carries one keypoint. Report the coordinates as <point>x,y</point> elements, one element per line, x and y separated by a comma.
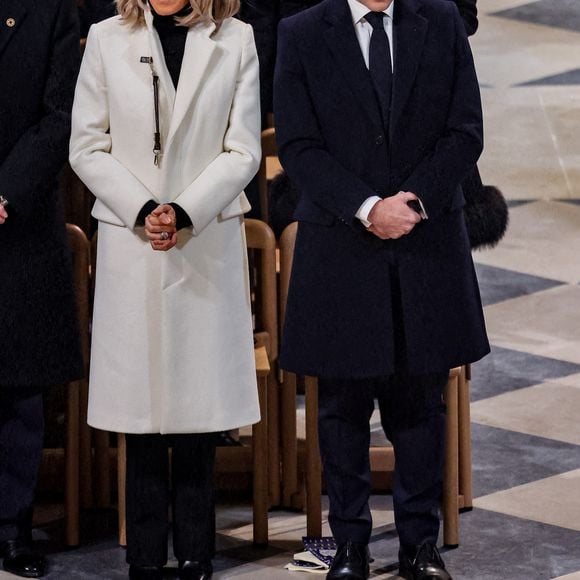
<point>261,244</point>
<point>80,249</point>
<point>269,149</point>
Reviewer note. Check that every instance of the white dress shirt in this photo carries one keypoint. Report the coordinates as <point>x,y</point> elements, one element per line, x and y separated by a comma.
<point>363,32</point>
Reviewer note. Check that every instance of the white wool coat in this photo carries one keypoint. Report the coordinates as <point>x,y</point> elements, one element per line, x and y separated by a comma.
<point>172,347</point>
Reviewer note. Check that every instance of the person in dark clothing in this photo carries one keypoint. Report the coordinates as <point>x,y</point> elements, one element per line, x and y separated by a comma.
<point>93,11</point>
<point>378,121</point>
<point>39,342</point>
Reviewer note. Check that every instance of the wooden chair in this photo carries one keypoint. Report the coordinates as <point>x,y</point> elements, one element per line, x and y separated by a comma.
<point>268,168</point>
<point>77,390</point>
<point>457,452</point>
<point>261,244</point>
<point>465,466</point>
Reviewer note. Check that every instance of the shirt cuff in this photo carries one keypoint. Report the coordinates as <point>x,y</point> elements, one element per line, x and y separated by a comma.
<point>365,209</point>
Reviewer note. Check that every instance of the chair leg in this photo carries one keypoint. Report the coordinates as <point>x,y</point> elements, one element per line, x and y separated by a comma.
<point>451,476</point>
<point>72,465</point>
<point>313,462</point>
<point>465,467</point>
<point>260,455</point>
<point>121,485</point>
<point>274,438</point>
<point>85,450</point>
<point>289,440</point>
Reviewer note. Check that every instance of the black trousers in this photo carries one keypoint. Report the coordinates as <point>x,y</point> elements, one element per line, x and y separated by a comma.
<point>149,492</point>
<point>413,418</point>
<point>21,439</point>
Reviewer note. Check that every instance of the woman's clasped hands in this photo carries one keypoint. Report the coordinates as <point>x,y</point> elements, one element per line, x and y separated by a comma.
<point>160,227</point>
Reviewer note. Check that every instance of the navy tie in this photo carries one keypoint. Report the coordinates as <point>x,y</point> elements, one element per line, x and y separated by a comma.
<point>380,67</point>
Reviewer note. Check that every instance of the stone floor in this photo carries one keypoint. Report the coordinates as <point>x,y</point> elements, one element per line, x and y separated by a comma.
<point>526,395</point>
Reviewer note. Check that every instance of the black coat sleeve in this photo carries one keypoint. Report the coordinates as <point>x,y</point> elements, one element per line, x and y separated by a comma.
<point>455,153</point>
<point>30,169</point>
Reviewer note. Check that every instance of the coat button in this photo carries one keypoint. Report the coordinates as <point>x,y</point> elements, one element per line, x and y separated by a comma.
<point>380,140</point>
<point>10,22</point>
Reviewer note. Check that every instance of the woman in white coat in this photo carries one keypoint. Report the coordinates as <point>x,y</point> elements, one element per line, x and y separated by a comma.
<point>165,133</point>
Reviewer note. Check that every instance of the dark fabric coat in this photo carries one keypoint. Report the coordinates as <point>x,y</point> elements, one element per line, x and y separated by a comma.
<point>334,147</point>
<point>264,16</point>
<point>39,58</point>
<point>92,11</point>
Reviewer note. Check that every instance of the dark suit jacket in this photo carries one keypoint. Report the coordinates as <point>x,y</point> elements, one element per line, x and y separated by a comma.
<point>39,58</point>
<point>335,149</point>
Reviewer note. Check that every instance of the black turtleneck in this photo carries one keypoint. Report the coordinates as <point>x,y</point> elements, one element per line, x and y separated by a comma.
<point>172,38</point>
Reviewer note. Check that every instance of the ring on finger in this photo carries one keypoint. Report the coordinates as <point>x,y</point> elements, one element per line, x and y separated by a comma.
<point>164,235</point>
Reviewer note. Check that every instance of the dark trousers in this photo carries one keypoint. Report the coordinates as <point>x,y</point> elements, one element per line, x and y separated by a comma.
<point>21,439</point>
<point>413,418</point>
<point>191,493</point>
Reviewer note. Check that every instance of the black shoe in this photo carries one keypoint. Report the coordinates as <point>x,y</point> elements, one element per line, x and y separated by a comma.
<point>426,564</point>
<point>20,559</point>
<point>195,570</point>
<point>350,563</point>
<point>145,572</point>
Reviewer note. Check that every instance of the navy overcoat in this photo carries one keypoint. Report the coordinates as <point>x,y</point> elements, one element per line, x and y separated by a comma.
<point>337,151</point>
<point>39,58</point>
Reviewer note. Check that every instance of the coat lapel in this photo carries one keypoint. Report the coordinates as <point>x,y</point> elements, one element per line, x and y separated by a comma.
<point>199,48</point>
<point>410,30</point>
<point>342,41</point>
<point>12,13</point>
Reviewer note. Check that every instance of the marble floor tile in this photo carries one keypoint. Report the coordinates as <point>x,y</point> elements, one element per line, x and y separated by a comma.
<point>571,77</point>
<point>508,53</point>
<point>503,459</point>
<point>553,13</point>
<point>490,7</point>
<point>545,323</point>
<point>547,410</point>
<point>517,202</point>
<point>515,549</point>
<point>551,252</point>
<point>554,501</point>
<point>506,370</point>
<point>505,161</point>
<point>498,284</point>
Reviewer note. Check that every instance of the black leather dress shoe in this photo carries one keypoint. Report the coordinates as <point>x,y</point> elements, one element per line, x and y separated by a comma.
<point>195,570</point>
<point>20,559</point>
<point>145,572</point>
<point>350,563</point>
<point>425,564</point>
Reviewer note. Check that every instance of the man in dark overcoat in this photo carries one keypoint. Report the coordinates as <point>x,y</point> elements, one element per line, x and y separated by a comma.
<point>378,119</point>
<point>39,57</point>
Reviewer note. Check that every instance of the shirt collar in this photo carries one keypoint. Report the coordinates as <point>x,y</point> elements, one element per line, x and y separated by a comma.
<point>359,10</point>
